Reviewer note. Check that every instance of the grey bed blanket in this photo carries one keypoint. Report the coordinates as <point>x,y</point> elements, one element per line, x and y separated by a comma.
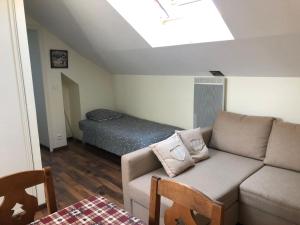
<point>124,135</point>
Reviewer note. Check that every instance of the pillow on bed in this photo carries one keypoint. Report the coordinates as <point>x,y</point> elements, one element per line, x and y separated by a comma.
<point>173,155</point>
<point>103,114</point>
<point>193,141</point>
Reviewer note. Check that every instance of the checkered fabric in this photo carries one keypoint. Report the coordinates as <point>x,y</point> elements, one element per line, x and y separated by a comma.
<point>95,210</point>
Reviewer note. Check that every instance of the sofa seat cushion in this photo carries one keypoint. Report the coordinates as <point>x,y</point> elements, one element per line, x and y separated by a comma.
<point>274,191</point>
<point>242,135</point>
<point>218,177</point>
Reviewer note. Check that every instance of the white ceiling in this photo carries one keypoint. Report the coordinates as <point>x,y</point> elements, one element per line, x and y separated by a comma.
<point>267,39</point>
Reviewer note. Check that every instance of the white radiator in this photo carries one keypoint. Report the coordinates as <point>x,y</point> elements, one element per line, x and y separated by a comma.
<point>209,99</point>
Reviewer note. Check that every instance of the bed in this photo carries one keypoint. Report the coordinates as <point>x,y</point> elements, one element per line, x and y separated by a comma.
<point>124,134</point>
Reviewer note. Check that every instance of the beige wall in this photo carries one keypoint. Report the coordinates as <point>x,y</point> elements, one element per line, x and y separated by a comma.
<point>165,99</point>
<point>72,106</point>
<point>169,99</point>
<point>270,96</point>
<point>67,105</point>
<point>95,84</point>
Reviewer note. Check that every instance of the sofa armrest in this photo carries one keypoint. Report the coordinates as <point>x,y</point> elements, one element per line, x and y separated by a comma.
<point>136,164</point>
<point>206,134</point>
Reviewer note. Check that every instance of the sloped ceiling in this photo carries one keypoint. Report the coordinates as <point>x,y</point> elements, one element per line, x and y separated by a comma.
<point>267,39</point>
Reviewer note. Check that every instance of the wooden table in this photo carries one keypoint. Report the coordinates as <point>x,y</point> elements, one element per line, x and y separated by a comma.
<point>94,210</point>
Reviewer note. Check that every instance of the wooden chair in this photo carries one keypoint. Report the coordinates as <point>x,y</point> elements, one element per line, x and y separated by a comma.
<point>187,201</point>
<point>12,188</point>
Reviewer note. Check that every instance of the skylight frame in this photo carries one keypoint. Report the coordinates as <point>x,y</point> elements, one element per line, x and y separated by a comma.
<point>162,24</point>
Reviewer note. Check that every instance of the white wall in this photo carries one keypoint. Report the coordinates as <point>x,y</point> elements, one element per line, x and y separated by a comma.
<point>169,99</point>
<point>14,155</point>
<point>95,84</point>
<point>19,147</point>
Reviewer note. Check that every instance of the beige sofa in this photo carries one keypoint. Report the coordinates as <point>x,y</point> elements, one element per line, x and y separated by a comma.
<point>253,169</point>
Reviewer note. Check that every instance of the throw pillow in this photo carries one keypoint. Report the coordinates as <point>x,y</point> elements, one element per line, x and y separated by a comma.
<point>193,141</point>
<point>173,155</point>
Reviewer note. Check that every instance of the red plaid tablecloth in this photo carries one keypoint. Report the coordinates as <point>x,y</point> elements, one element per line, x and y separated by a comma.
<point>95,210</point>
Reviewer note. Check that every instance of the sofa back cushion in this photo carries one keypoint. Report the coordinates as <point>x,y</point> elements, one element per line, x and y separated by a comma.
<point>284,146</point>
<point>242,135</point>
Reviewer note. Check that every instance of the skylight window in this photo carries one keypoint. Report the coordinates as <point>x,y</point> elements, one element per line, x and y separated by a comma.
<point>174,22</point>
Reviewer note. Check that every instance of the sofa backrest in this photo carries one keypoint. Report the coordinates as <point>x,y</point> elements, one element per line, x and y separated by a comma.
<point>242,135</point>
<point>284,146</point>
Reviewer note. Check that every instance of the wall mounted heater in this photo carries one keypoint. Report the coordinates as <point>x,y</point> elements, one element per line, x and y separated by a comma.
<point>209,100</point>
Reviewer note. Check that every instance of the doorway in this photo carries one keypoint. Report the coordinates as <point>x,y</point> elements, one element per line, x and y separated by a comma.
<point>72,110</point>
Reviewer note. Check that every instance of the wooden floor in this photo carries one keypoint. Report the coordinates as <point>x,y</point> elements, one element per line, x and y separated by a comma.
<point>80,171</point>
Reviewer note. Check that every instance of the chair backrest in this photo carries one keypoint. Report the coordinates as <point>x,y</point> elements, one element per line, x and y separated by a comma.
<point>13,189</point>
<point>187,204</point>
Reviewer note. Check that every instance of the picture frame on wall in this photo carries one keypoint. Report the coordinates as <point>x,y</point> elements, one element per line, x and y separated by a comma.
<point>59,59</point>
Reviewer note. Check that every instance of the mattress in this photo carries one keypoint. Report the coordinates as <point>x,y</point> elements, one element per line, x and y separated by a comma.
<point>124,135</point>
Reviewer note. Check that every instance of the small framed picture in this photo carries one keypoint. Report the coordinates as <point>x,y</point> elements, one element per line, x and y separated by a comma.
<point>59,58</point>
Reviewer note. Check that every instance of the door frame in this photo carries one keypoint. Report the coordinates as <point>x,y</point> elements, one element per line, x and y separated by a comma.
<point>34,27</point>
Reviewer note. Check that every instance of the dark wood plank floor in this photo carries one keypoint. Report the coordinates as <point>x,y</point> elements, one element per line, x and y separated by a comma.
<point>80,171</point>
